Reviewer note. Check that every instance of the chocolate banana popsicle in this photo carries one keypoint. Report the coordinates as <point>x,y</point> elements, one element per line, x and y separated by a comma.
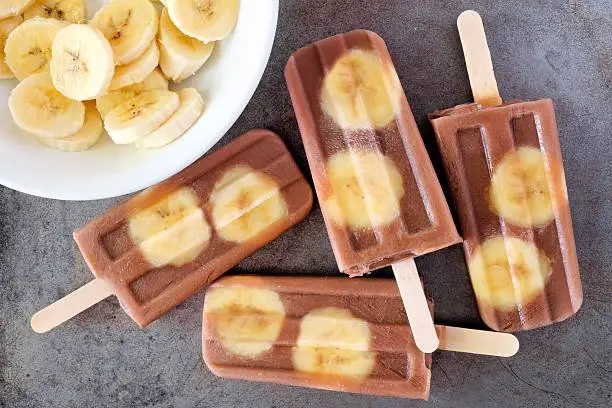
<point>379,194</point>
<point>505,169</point>
<point>163,245</point>
<point>331,333</point>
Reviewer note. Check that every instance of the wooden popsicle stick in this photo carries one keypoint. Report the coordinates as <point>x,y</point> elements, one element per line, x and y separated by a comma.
<point>415,303</point>
<point>478,59</point>
<point>70,305</point>
<point>478,341</point>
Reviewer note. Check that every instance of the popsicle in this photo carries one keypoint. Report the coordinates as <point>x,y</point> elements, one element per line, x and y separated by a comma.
<point>161,246</point>
<point>379,194</point>
<point>331,333</point>
<point>505,169</point>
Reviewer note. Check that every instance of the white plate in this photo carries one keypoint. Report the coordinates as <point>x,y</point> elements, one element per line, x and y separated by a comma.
<point>227,83</point>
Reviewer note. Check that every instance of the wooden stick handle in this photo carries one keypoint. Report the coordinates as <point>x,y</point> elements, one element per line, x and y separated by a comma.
<point>416,306</point>
<point>71,305</point>
<point>478,341</point>
<point>478,59</point>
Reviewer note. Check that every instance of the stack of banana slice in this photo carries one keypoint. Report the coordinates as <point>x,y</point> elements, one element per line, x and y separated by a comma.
<point>78,79</point>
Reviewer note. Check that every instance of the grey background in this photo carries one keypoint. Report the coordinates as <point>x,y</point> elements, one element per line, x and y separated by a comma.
<point>552,48</point>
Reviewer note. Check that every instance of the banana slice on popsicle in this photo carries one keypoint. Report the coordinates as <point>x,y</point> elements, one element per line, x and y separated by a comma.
<point>334,342</point>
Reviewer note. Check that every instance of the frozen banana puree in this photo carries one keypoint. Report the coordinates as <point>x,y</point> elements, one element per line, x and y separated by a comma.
<point>508,184</point>
<point>163,245</point>
<point>379,194</point>
<point>122,56</point>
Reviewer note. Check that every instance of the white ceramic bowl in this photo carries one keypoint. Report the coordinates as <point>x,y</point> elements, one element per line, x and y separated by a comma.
<point>227,83</point>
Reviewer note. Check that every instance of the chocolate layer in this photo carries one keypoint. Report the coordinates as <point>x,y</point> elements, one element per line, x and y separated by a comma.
<point>425,223</point>
<point>147,292</point>
<point>473,140</point>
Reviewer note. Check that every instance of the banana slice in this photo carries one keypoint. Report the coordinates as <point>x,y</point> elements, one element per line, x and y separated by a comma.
<point>205,20</point>
<point>244,203</point>
<point>181,56</point>
<point>136,71</point>
<point>108,102</point>
<point>6,27</point>
<point>185,116</point>
<point>367,189</point>
<point>141,115</point>
<point>247,321</point>
<point>82,140</point>
<point>173,231</point>
<point>11,8</point>
<point>82,64</point>
<point>359,92</point>
<point>38,108</point>
<point>334,342</point>
<point>69,10</point>
<point>507,273</point>
<point>28,47</point>
<point>519,189</point>
<point>129,25</point>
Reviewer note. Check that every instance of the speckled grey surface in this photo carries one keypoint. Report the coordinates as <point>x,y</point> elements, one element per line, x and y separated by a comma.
<point>546,48</point>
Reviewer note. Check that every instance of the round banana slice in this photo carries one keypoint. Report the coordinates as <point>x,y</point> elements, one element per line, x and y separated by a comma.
<point>82,140</point>
<point>38,108</point>
<point>141,115</point>
<point>82,64</point>
<point>244,203</point>
<point>28,47</point>
<point>507,273</point>
<point>205,20</point>
<point>11,8</point>
<point>69,10</point>
<point>129,26</point>
<point>247,321</point>
<point>181,56</point>
<point>360,92</point>
<point>367,189</point>
<point>186,115</point>
<point>173,231</point>
<point>136,71</point>
<point>106,103</point>
<point>519,189</point>
<point>6,27</point>
<point>334,342</point>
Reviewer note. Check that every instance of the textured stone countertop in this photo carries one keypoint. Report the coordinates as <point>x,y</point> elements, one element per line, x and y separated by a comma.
<point>547,48</point>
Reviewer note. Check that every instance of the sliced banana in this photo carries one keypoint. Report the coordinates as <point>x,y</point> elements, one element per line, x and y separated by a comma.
<point>28,47</point>
<point>129,25</point>
<point>38,108</point>
<point>519,189</point>
<point>507,273</point>
<point>69,10</point>
<point>82,64</point>
<point>141,115</point>
<point>244,203</point>
<point>367,189</point>
<point>106,103</point>
<point>181,56</point>
<point>205,20</point>
<point>11,8</point>
<point>191,108</point>
<point>85,138</point>
<point>6,27</point>
<point>334,342</point>
<point>173,231</point>
<point>360,92</point>
<point>247,321</point>
<point>136,71</point>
